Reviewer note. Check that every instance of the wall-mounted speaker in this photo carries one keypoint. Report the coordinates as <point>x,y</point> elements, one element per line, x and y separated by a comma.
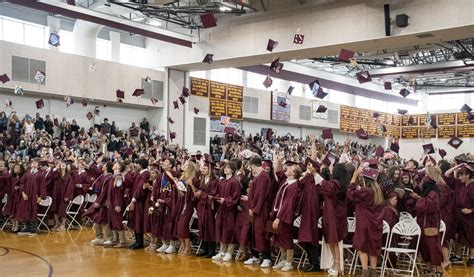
<point>386,10</point>
<point>401,20</point>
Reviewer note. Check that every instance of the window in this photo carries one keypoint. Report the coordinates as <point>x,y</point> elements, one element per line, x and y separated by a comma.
<point>13,31</point>
<point>333,116</point>
<point>132,55</point>
<point>24,69</point>
<point>23,32</point>
<point>66,41</point>
<point>103,49</point>
<point>199,131</point>
<point>35,36</point>
<point>250,104</point>
<point>305,112</point>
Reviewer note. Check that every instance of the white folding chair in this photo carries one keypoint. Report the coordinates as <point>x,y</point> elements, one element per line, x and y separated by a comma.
<point>442,229</point>
<point>405,216</point>
<point>46,203</point>
<point>89,200</point>
<point>351,225</point>
<point>195,231</point>
<point>406,229</point>
<point>72,214</point>
<point>304,254</point>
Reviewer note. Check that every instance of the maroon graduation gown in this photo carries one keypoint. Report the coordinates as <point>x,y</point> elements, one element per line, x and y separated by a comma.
<point>185,206</point>
<point>155,218</point>
<point>63,188</point>
<point>369,220</point>
<point>391,216</point>
<point>227,211</point>
<point>446,198</point>
<point>115,199</point>
<point>285,206</point>
<point>4,178</point>
<point>169,208</point>
<point>428,215</point>
<point>49,179</point>
<point>129,180</point>
<point>32,184</point>
<point>260,203</point>
<point>464,198</point>
<point>242,222</point>
<point>148,203</point>
<point>310,210</point>
<point>100,185</point>
<point>205,210</point>
<point>137,215</point>
<point>13,195</point>
<point>334,212</point>
<point>83,179</point>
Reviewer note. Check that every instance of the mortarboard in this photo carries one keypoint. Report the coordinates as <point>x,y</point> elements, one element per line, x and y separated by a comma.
<point>148,79</point>
<point>383,128</point>
<point>138,92</point>
<point>18,90</point>
<point>371,173</point>
<point>315,164</point>
<point>182,100</point>
<point>53,39</point>
<point>69,101</point>
<point>229,130</point>
<point>89,115</point>
<point>290,90</point>
<point>267,82</point>
<point>276,66</point>
<point>56,122</point>
<point>428,149</point>
<point>321,94</point>
<point>4,78</point>
<point>404,92</point>
<point>363,77</point>
<point>362,134</point>
<point>8,103</point>
<point>387,85</point>
<point>433,121</point>
<point>196,110</point>
<point>379,151</point>
<point>321,109</point>
<point>40,76</point>
<point>170,120</point>
<point>455,142</point>
<point>282,103</point>
<point>185,92</point>
<point>153,100</point>
<point>272,44</point>
<point>433,161</point>
<point>376,114</point>
<point>345,55</point>
<point>411,120</point>
<point>172,135</point>
<point>289,162</point>
<point>466,109</point>
<point>209,58</point>
<point>442,153</point>
<point>175,104</point>
<point>470,117</point>
<point>373,163</point>
<point>298,39</point>
<point>402,112</point>
<point>395,147</point>
<point>39,104</point>
<point>84,102</point>
<point>327,134</point>
<point>208,20</point>
<point>120,94</point>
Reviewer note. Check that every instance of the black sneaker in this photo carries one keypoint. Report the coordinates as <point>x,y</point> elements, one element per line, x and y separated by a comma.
<point>32,231</point>
<point>456,260</point>
<point>25,230</point>
<point>470,262</point>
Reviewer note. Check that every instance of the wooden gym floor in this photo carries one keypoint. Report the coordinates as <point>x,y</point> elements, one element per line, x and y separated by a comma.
<point>71,254</point>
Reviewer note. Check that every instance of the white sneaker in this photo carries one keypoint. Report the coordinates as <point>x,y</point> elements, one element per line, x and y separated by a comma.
<point>218,256</point>
<point>279,265</point>
<point>227,257</point>
<point>97,241</point>
<point>162,249</point>
<point>251,261</point>
<point>170,250</point>
<point>109,242</point>
<point>266,263</point>
<point>287,267</point>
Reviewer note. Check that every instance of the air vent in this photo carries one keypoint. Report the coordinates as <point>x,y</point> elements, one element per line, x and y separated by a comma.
<point>427,35</point>
<point>24,69</point>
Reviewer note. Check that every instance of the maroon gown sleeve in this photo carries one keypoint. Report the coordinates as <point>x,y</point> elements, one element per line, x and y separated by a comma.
<point>233,198</point>
<point>85,182</point>
<point>42,186</point>
<point>428,204</point>
<point>263,187</point>
<point>364,195</point>
<point>329,187</point>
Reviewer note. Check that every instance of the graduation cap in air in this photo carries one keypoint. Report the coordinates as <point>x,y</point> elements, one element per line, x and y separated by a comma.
<point>327,134</point>
<point>19,90</point>
<point>345,55</point>
<point>53,39</point>
<point>153,100</point>
<point>363,77</point>
<point>402,112</point>
<point>89,115</point>
<point>371,173</point>
<point>172,135</point>
<point>8,103</point>
<point>383,128</point>
<point>276,66</point>
<point>442,153</point>
<point>84,102</point>
<point>282,103</point>
<point>404,92</point>
<point>40,76</point>
<point>379,151</point>
<point>56,122</point>
<point>433,121</point>
<point>4,78</point>
<point>267,82</point>
<point>320,93</point>
<point>209,58</point>
<point>314,86</point>
<point>272,44</point>
<point>148,79</point>
<point>196,110</point>
<point>39,104</point>
<point>182,100</point>
<point>170,120</point>
<point>321,109</point>
<point>373,163</point>
<point>411,120</point>
<point>362,134</point>
<point>314,163</point>
<point>120,94</point>
<point>387,85</point>
<point>455,142</point>
<point>428,149</point>
<point>69,101</point>
<point>229,130</point>
<point>298,39</point>
<point>138,92</point>
<point>290,90</point>
<point>470,117</point>
<point>175,104</point>
<point>376,114</point>
<point>466,109</point>
<point>185,92</point>
<point>395,147</point>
